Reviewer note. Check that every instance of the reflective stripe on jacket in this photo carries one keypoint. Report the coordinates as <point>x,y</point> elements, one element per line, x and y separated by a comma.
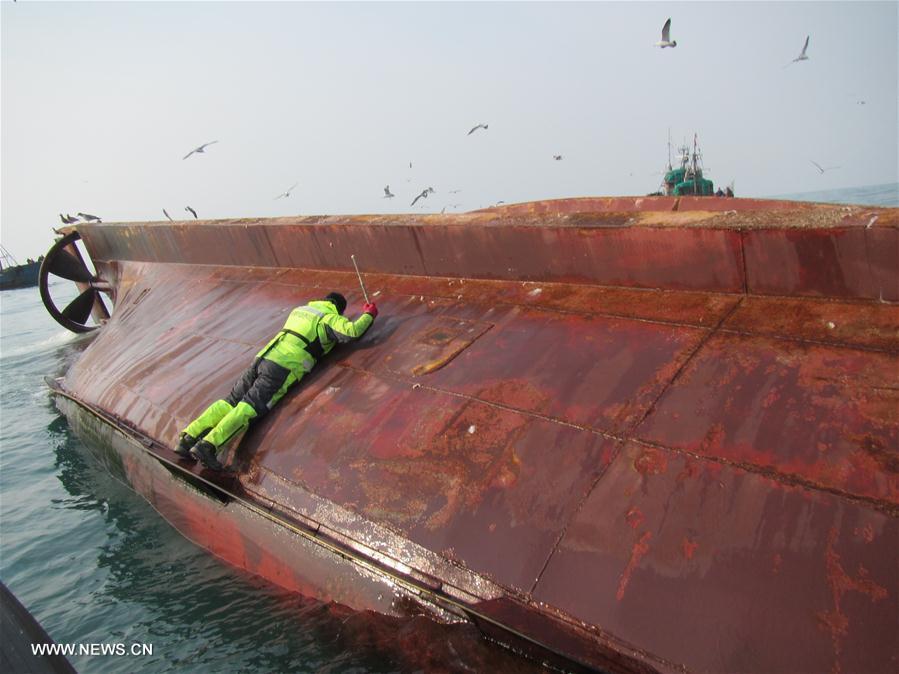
<point>319,324</point>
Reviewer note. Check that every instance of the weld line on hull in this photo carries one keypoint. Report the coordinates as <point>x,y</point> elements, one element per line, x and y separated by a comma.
<point>705,339</point>
<point>806,340</point>
<point>781,478</point>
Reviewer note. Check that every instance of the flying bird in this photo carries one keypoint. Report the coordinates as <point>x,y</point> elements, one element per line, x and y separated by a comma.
<point>454,191</point>
<point>557,157</point>
<point>479,126</point>
<point>287,193</point>
<point>202,148</point>
<point>166,213</point>
<point>424,195</point>
<point>802,56</point>
<point>822,169</point>
<point>666,40</point>
<point>87,217</point>
<point>188,208</point>
<point>387,193</point>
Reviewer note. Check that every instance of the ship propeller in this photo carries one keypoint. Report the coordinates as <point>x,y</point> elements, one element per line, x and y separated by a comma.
<point>64,260</point>
<point>69,267</point>
<point>79,309</point>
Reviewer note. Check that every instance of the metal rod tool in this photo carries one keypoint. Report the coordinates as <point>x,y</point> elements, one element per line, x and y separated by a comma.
<point>364,294</point>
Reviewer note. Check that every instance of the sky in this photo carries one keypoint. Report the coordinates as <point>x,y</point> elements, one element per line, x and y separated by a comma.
<point>99,103</point>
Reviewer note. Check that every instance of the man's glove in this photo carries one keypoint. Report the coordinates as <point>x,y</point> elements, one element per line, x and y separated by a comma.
<point>370,308</point>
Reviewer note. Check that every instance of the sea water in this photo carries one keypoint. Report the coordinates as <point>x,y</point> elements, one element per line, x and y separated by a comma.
<point>97,566</point>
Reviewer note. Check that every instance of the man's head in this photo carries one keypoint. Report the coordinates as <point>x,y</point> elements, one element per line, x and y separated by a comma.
<point>338,300</point>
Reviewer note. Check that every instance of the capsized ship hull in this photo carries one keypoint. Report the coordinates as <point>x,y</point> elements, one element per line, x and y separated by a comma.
<point>632,433</point>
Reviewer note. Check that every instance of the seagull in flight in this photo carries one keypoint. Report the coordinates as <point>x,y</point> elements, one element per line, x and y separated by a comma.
<point>287,193</point>
<point>802,56</point>
<point>188,208</point>
<point>166,213</point>
<point>424,195</point>
<point>479,126</point>
<point>387,193</point>
<point>202,148</point>
<point>87,217</point>
<point>666,40</point>
<point>454,191</point>
<point>822,169</point>
<point>557,157</point>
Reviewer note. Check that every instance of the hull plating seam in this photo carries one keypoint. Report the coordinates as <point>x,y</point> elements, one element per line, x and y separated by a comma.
<point>771,473</point>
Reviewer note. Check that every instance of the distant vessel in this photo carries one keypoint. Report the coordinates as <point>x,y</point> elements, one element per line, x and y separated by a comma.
<point>688,179</point>
<point>15,275</point>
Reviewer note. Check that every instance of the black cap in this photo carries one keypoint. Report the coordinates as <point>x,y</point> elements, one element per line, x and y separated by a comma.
<point>337,300</point>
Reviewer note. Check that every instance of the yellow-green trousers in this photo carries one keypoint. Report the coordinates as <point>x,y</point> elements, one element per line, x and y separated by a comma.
<point>259,389</point>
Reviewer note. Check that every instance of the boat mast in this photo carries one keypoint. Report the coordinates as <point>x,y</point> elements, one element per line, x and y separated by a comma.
<point>6,259</point>
<point>669,148</point>
<point>694,163</point>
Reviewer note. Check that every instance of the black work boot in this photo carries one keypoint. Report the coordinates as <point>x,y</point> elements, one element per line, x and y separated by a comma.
<point>206,453</point>
<point>182,449</point>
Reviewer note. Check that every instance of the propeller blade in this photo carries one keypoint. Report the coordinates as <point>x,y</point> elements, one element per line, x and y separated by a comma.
<point>69,267</point>
<point>79,309</point>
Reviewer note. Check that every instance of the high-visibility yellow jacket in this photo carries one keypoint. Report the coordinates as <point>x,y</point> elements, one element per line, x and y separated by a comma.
<point>309,333</point>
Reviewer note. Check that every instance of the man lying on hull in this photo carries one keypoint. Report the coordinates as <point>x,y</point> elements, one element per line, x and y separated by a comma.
<point>310,332</point>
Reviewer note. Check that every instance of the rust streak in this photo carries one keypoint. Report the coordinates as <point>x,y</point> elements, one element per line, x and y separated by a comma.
<point>640,548</point>
<point>835,621</point>
<point>689,547</point>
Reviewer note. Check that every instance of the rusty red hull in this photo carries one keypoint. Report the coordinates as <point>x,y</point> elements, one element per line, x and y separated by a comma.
<point>640,435</point>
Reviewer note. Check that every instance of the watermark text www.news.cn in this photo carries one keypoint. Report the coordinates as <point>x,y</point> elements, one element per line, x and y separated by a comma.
<point>117,649</point>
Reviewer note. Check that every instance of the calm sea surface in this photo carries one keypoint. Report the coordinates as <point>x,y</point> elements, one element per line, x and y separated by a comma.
<point>95,564</point>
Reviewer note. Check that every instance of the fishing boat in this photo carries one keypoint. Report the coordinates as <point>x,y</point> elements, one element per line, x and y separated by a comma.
<point>15,275</point>
<point>688,178</point>
<point>618,434</point>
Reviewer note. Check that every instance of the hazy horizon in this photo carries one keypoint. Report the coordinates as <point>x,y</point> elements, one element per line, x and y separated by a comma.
<point>100,102</point>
